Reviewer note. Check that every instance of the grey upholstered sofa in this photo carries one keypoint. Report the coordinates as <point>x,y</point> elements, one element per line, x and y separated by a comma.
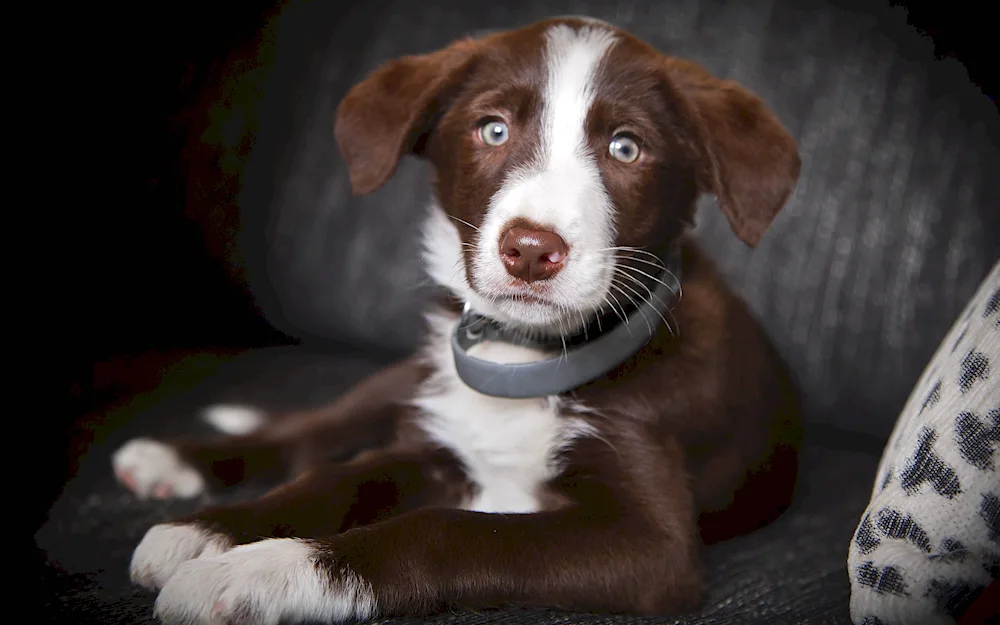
<point>893,224</point>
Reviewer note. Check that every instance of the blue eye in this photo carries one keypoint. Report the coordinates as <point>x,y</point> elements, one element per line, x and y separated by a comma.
<point>623,148</point>
<point>494,133</point>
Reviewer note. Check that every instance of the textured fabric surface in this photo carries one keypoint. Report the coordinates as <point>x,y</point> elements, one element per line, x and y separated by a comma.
<point>892,226</point>
<point>929,541</point>
<point>790,572</point>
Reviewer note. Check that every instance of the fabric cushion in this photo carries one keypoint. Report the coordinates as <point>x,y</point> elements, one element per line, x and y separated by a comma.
<point>929,541</point>
<point>790,572</point>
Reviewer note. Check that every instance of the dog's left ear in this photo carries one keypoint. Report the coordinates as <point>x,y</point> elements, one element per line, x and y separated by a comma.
<point>382,118</point>
<point>750,161</point>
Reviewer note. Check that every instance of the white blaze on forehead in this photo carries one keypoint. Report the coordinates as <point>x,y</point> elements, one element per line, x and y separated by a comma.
<point>573,57</point>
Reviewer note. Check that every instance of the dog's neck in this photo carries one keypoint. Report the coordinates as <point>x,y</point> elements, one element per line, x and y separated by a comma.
<point>596,349</point>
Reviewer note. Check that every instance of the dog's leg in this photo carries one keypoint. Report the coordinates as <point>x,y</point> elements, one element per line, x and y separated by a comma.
<point>365,415</point>
<point>619,546</point>
<point>323,501</point>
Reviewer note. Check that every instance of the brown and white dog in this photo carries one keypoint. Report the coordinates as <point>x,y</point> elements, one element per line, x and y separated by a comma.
<point>568,158</point>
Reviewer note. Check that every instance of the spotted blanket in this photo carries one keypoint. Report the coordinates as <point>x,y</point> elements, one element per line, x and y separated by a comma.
<point>929,541</point>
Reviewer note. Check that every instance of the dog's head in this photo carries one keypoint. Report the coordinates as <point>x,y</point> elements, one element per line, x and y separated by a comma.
<point>568,155</point>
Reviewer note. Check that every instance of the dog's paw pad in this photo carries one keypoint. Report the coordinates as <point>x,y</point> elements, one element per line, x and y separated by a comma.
<point>149,468</point>
<point>166,547</point>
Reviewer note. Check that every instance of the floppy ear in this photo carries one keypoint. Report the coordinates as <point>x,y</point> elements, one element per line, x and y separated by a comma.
<point>750,161</point>
<point>383,117</point>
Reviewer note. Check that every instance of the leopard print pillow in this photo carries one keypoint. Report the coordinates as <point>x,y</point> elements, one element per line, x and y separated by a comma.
<point>929,541</point>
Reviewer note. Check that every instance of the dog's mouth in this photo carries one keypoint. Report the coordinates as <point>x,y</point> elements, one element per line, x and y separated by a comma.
<point>553,307</point>
<point>528,298</point>
<point>527,295</point>
<point>514,292</point>
<point>560,305</point>
<point>536,307</point>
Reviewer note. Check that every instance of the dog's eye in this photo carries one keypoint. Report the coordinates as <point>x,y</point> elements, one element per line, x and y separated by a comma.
<point>494,133</point>
<point>624,148</point>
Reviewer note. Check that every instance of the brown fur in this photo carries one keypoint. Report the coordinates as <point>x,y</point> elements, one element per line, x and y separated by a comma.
<point>698,431</point>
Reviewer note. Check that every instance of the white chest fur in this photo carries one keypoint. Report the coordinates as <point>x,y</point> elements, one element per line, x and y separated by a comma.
<point>510,447</point>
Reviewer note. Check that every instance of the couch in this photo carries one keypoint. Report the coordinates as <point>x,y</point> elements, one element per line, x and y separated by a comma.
<point>892,227</point>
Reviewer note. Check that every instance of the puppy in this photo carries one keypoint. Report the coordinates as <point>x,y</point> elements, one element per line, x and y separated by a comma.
<point>591,404</point>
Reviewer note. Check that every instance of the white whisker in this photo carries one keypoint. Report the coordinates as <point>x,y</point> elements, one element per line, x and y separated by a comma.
<point>659,265</point>
<point>651,277</point>
<point>680,287</point>
<point>615,310</point>
<point>598,311</point>
<point>626,248</point>
<point>583,324</point>
<point>652,295</point>
<point>464,222</point>
<point>614,285</point>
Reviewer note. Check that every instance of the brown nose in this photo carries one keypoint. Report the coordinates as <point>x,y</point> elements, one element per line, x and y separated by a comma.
<point>532,254</point>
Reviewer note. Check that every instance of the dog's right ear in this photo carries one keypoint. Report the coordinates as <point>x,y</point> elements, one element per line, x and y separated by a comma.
<point>383,117</point>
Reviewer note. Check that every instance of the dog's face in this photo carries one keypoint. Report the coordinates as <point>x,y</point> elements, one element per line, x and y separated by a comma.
<point>568,155</point>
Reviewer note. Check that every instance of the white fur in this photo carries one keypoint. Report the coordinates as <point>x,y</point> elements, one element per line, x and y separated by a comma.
<point>268,582</point>
<point>443,256</point>
<point>510,447</point>
<point>562,190</point>
<point>151,468</point>
<point>167,546</point>
<point>234,420</point>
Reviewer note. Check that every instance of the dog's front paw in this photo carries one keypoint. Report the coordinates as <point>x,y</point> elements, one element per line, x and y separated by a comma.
<point>278,580</point>
<point>166,547</point>
<point>150,468</point>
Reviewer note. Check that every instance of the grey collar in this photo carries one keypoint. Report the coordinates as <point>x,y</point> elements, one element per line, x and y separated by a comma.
<point>581,358</point>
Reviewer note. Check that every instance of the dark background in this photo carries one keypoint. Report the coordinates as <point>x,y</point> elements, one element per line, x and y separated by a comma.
<point>142,279</point>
